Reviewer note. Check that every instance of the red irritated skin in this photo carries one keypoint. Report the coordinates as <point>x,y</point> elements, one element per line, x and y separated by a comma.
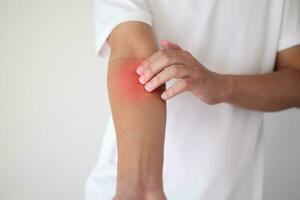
<point>126,80</point>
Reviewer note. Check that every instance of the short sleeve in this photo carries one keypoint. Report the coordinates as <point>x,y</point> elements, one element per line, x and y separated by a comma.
<point>109,13</point>
<point>290,27</point>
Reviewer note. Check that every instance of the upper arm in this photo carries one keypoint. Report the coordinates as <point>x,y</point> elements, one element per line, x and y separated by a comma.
<point>110,15</point>
<point>288,58</point>
<point>132,39</point>
<point>124,27</point>
<point>288,55</point>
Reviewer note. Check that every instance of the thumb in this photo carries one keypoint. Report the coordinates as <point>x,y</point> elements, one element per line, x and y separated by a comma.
<point>166,44</point>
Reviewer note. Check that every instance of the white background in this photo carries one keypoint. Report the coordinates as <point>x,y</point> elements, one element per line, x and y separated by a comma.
<point>54,106</point>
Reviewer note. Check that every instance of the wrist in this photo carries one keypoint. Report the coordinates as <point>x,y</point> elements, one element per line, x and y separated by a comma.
<point>226,88</point>
<point>140,173</point>
<point>140,194</point>
<point>150,178</point>
<point>139,188</point>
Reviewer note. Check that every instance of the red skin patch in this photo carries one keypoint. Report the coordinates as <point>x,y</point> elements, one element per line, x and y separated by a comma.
<point>127,81</point>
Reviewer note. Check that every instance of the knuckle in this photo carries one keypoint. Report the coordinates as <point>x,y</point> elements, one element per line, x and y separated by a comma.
<point>161,52</point>
<point>210,101</point>
<point>148,71</point>
<point>146,62</point>
<point>157,79</point>
<point>167,58</point>
<point>186,53</point>
<point>184,85</point>
<point>174,70</point>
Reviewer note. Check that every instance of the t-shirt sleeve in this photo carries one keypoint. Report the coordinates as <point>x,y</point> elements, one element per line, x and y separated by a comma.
<point>290,27</point>
<point>109,13</point>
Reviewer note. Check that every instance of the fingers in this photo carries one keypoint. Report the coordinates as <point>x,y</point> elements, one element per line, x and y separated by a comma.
<point>168,58</point>
<point>166,44</point>
<point>174,90</point>
<point>148,61</point>
<point>168,73</point>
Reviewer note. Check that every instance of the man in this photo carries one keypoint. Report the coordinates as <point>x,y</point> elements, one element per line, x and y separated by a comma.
<point>223,64</point>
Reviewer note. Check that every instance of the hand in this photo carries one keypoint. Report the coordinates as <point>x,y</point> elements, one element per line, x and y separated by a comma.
<point>172,62</point>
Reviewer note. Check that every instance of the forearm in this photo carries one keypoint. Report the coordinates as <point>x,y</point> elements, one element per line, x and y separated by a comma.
<point>265,92</point>
<point>139,117</point>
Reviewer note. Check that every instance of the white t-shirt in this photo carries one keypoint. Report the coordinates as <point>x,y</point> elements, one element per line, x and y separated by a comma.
<point>211,152</point>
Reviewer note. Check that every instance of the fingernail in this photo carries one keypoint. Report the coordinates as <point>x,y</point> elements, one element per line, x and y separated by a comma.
<point>141,79</point>
<point>139,70</point>
<point>148,87</point>
<point>164,96</point>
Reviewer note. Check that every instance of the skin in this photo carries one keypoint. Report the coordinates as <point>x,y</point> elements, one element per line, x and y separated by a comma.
<point>139,117</point>
<point>139,111</point>
<point>273,91</point>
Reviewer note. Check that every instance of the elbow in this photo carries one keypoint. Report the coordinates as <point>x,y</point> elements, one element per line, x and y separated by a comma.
<point>122,81</point>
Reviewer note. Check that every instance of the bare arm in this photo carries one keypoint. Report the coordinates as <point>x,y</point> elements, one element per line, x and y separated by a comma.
<point>264,92</point>
<point>139,117</point>
<point>272,91</point>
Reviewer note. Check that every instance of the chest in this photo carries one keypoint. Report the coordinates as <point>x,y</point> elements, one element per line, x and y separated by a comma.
<point>229,36</point>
